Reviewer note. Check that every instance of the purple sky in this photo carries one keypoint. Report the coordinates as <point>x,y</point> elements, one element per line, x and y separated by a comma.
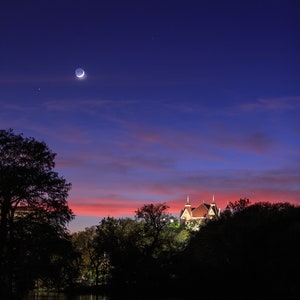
<point>180,98</point>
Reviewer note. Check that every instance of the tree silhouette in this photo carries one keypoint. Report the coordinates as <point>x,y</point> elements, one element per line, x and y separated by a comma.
<point>252,254</point>
<point>32,201</point>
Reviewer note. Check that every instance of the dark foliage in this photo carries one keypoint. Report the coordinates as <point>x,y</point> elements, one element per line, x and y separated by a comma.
<point>33,215</point>
<point>252,254</point>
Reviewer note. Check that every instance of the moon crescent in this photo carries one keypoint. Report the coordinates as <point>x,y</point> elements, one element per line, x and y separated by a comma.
<point>79,73</point>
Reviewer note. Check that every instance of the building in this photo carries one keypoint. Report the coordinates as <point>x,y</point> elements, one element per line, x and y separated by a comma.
<point>200,214</point>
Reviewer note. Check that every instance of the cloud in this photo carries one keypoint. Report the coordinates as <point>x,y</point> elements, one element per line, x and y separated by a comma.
<point>123,197</point>
<point>272,104</point>
<point>117,158</point>
<point>86,105</point>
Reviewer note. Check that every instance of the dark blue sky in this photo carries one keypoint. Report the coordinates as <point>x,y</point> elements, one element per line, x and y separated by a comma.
<point>180,98</point>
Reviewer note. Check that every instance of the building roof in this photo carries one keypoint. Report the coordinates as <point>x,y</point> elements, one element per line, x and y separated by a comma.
<point>204,210</point>
<point>201,210</point>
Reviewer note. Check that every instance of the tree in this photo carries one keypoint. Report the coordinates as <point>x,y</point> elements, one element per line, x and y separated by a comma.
<point>118,255</point>
<point>238,205</point>
<point>118,242</point>
<point>127,243</point>
<point>94,269</point>
<point>155,219</point>
<point>31,192</point>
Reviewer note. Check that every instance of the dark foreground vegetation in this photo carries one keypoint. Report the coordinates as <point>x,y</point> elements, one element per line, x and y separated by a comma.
<point>250,252</point>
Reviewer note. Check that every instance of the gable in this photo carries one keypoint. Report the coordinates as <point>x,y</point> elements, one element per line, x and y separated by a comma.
<point>185,214</point>
<point>213,211</point>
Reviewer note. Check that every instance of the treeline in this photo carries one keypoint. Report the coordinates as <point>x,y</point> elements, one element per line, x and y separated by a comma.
<point>250,252</point>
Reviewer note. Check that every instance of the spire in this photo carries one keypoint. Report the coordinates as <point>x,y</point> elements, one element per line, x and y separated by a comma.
<point>187,201</point>
<point>213,200</point>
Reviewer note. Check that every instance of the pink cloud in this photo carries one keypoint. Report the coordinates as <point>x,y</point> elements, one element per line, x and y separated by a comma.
<point>124,198</point>
<point>206,143</point>
<point>126,208</point>
<point>102,207</point>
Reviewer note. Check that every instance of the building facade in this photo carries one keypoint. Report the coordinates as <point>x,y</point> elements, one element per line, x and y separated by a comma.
<point>200,214</point>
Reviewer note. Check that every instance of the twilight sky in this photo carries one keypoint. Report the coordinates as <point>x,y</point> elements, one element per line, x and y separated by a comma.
<point>180,98</point>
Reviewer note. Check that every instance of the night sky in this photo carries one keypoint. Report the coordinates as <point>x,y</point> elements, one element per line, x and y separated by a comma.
<point>198,98</point>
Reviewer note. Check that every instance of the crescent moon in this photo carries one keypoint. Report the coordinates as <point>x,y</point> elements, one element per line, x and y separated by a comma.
<point>79,73</point>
